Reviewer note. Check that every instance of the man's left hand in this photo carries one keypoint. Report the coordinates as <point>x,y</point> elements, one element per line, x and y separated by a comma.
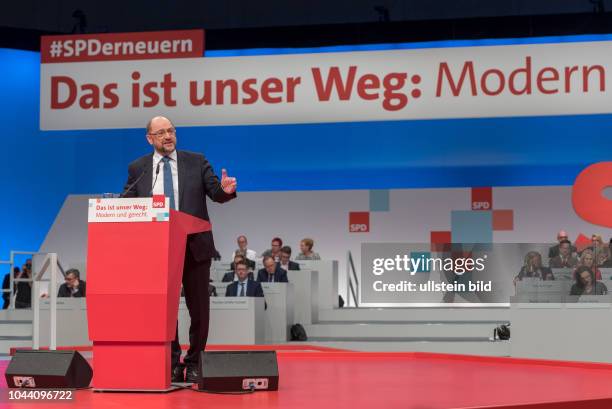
<point>228,184</point>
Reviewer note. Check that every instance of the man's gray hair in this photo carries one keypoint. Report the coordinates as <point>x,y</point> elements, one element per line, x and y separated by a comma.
<point>155,117</point>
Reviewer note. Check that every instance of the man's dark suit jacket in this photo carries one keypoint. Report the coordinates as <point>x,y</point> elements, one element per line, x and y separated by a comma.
<point>64,291</point>
<point>229,276</point>
<point>554,251</point>
<point>280,275</point>
<point>253,289</point>
<point>292,265</point>
<point>557,262</point>
<point>196,180</point>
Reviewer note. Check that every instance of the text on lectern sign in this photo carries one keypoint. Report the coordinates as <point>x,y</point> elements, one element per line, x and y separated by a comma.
<point>141,209</point>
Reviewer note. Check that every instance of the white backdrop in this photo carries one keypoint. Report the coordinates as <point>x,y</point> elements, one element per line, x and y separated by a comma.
<point>539,213</point>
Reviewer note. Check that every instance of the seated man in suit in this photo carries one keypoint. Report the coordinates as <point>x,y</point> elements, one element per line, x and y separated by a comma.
<point>564,259</point>
<point>285,263</point>
<point>231,275</point>
<point>250,263</point>
<point>245,286</point>
<point>554,250</point>
<point>274,249</point>
<point>271,273</point>
<point>73,286</point>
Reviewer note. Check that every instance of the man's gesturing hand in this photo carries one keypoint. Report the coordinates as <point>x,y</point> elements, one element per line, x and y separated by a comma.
<point>228,184</point>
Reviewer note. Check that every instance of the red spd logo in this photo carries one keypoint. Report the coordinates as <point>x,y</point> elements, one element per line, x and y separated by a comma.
<point>481,205</point>
<point>482,198</point>
<point>359,222</point>
<point>587,194</point>
<point>159,201</point>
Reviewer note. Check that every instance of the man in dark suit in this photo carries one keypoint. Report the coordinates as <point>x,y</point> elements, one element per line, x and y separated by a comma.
<point>186,178</point>
<point>564,259</point>
<point>271,273</point>
<point>232,275</point>
<point>245,286</point>
<point>285,263</point>
<point>554,250</point>
<point>73,285</point>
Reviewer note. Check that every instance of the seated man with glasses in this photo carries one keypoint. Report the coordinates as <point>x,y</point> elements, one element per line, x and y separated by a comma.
<point>231,275</point>
<point>73,285</point>
<point>244,286</point>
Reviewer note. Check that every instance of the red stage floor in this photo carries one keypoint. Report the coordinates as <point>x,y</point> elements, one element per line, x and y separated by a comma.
<point>320,378</point>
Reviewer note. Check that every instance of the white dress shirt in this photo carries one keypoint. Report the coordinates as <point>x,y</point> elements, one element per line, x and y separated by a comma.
<point>250,254</point>
<point>158,187</point>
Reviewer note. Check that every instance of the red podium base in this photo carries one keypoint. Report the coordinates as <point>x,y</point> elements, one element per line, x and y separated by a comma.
<point>140,368</point>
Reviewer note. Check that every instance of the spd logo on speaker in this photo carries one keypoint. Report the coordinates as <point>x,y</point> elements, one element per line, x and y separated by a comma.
<point>159,201</point>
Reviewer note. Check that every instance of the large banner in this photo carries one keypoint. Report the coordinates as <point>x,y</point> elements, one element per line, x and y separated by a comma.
<point>94,83</point>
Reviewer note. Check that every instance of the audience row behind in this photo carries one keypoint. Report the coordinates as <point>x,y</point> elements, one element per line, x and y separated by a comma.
<point>306,252</point>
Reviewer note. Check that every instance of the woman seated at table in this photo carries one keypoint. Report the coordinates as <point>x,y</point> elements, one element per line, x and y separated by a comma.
<point>532,268</point>
<point>586,283</point>
<point>306,252</point>
<point>587,259</point>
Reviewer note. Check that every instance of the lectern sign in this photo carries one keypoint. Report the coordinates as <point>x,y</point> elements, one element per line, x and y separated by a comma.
<point>141,209</point>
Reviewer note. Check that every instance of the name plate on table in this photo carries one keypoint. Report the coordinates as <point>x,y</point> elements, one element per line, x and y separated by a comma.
<point>563,273</point>
<point>229,303</point>
<point>602,301</point>
<point>137,209</point>
<point>542,286</point>
<point>67,303</point>
<point>273,288</point>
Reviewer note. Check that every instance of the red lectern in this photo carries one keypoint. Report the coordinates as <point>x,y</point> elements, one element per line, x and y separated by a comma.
<point>135,255</point>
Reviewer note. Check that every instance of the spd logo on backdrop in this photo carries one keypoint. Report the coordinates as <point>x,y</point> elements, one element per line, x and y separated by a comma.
<point>359,222</point>
<point>482,198</point>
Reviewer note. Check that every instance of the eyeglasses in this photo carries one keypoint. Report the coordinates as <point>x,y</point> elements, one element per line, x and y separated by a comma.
<point>162,132</point>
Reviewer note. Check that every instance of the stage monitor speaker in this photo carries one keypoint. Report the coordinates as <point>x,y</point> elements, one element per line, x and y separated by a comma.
<point>48,370</point>
<point>233,371</point>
